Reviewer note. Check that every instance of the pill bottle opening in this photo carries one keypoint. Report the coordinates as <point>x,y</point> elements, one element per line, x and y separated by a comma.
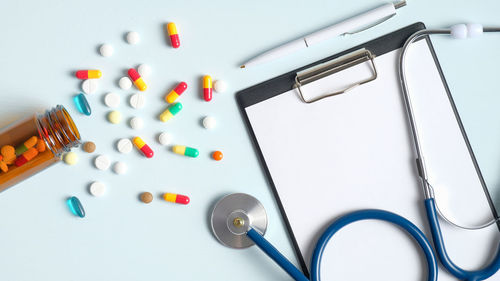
<point>58,130</point>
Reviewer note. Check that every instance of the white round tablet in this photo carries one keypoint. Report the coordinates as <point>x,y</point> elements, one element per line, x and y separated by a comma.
<point>97,189</point>
<point>106,50</point>
<point>133,37</point>
<point>89,86</point>
<point>120,168</point>
<point>102,162</point>
<point>125,83</point>
<point>136,123</point>
<point>165,138</point>
<point>220,86</point>
<point>209,122</point>
<point>144,70</point>
<point>112,100</point>
<point>137,100</point>
<point>124,146</point>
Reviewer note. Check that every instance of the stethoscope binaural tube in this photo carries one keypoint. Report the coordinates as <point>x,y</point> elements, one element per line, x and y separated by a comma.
<point>459,31</point>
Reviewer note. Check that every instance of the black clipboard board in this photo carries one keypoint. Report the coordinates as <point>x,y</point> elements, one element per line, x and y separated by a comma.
<point>288,81</point>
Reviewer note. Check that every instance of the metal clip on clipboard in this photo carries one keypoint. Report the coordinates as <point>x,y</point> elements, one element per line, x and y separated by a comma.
<point>331,67</point>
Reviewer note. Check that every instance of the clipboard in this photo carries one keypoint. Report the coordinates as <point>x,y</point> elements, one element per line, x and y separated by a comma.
<point>304,122</point>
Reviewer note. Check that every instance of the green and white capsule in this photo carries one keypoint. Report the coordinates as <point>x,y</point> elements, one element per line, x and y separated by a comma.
<point>170,112</point>
<point>186,151</point>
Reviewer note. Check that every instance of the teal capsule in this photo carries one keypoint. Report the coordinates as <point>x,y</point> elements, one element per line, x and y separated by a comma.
<point>75,206</point>
<point>82,104</point>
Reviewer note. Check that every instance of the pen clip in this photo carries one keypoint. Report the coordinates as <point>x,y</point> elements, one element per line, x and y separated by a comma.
<point>368,26</point>
<point>397,5</point>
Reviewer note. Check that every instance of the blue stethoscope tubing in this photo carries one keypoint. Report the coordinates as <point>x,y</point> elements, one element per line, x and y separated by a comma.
<point>398,220</point>
<point>457,31</point>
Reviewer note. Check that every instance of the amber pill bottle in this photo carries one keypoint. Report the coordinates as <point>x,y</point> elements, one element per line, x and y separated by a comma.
<point>34,143</point>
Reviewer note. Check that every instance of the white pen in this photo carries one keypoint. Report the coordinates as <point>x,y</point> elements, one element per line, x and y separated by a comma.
<point>369,18</point>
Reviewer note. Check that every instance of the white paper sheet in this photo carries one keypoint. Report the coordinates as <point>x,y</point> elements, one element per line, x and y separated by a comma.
<point>354,151</point>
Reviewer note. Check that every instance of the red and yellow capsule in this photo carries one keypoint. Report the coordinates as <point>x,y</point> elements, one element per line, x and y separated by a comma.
<point>143,147</point>
<point>174,36</point>
<point>26,156</point>
<point>137,79</point>
<point>88,74</point>
<point>207,88</point>
<point>176,92</point>
<point>176,198</point>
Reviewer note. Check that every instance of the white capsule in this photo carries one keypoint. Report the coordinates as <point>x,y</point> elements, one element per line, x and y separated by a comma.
<point>124,146</point>
<point>102,162</point>
<point>106,50</point>
<point>220,86</point>
<point>125,83</point>
<point>165,138</point>
<point>137,100</point>
<point>97,189</point>
<point>136,123</point>
<point>144,70</point>
<point>89,86</point>
<point>209,122</point>
<point>120,168</point>
<point>112,100</point>
<point>133,37</point>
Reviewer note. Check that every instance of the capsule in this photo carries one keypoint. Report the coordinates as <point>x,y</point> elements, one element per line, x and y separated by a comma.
<point>174,36</point>
<point>143,147</point>
<point>207,88</point>
<point>82,104</point>
<point>185,150</point>
<point>137,79</point>
<point>3,165</point>
<point>176,198</point>
<point>88,74</point>
<point>31,142</point>
<point>40,145</point>
<point>170,112</point>
<point>75,206</point>
<point>26,157</point>
<point>176,92</point>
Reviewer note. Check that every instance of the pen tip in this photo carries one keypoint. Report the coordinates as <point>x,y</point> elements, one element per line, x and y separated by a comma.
<point>243,66</point>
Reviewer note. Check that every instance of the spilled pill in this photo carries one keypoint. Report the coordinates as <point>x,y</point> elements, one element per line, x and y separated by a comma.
<point>97,189</point>
<point>133,37</point>
<point>124,146</point>
<point>88,74</point>
<point>82,104</point>
<point>70,158</point>
<point>176,198</point>
<point>146,197</point>
<point>170,112</point>
<point>174,36</point>
<point>106,50</point>
<point>136,123</point>
<point>124,83</point>
<point>209,122</point>
<point>143,147</point>
<point>207,88</point>
<point>137,101</point>
<point>120,168</point>
<point>89,86</point>
<point>185,150</point>
<point>165,138</point>
<point>217,155</point>
<point>114,117</point>
<point>220,86</point>
<point>112,100</point>
<point>89,147</point>
<point>137,79</point>
<point>176,92</point>
<point>75,206</point>
<point>102,162</point>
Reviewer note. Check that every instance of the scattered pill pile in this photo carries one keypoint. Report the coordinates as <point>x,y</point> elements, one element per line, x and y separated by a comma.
<point>137,77</point>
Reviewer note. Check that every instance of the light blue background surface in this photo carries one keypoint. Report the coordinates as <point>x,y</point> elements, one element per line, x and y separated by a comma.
<point>43,42</point>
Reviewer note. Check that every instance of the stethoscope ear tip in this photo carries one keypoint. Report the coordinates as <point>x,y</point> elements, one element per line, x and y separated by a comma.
<point>469,30</point>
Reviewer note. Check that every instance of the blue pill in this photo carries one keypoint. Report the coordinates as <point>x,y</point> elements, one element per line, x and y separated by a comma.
<point>82,104</point>
<point>75,206</point>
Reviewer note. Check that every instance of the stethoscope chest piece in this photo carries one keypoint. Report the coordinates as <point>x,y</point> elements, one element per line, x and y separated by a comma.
<point>232,217</point>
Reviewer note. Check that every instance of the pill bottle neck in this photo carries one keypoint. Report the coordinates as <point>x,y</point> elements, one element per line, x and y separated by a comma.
<point>57,129</point>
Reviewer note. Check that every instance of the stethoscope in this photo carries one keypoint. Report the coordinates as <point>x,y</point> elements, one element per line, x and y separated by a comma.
<point>240,220</point>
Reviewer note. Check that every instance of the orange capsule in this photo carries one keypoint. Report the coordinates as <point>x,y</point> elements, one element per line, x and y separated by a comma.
<point>40,146</point>
<point>26,156</point>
